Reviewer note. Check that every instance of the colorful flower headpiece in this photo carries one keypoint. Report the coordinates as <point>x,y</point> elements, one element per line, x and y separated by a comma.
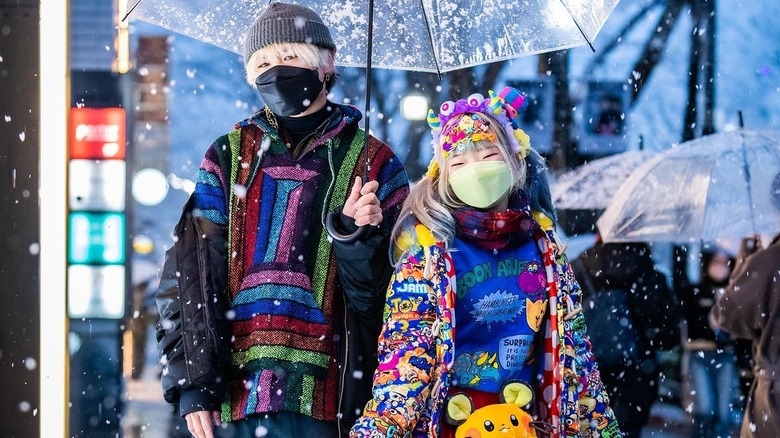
<point>502,107</point>
<point>473,128</point>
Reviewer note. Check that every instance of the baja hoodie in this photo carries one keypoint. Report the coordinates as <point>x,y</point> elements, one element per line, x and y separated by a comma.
<point>294,300</point>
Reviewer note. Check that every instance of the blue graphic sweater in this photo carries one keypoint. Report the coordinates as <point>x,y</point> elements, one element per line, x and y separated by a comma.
<point>499,310</point>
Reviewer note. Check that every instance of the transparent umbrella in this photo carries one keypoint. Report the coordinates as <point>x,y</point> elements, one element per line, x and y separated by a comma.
<point>421,35</point>
<point>593,185</point>
<point>719,186</point>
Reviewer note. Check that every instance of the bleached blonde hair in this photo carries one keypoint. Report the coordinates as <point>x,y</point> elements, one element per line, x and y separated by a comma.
<point>432,199</point>
<point>313,56</point>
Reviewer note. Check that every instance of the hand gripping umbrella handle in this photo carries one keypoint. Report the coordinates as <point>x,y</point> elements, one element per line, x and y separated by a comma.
<point>330,217</point>
<point>346,238</point>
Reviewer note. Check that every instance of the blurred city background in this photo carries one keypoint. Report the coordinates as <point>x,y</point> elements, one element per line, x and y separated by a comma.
<point>663,72</point>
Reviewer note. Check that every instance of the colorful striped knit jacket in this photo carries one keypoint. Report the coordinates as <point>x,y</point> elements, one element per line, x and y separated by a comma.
<point>419,341</point>
<point>286,305</point>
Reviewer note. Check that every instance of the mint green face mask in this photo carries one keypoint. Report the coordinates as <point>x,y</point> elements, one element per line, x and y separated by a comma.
<point>481,184</point>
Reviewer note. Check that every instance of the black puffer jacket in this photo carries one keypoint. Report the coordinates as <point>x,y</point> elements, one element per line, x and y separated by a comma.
<point>629,266</point>
<point>655,313</point>
<point>191,335</point>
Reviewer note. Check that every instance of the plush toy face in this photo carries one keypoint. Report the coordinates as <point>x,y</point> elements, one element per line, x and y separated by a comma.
<point>507,419</point>
<point>504,420</point>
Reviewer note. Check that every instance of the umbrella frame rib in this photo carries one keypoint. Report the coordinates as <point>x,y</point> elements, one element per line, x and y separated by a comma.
<point>746,168</point>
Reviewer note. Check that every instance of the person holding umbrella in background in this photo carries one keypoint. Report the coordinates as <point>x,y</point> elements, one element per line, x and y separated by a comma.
<point>749,308</point>
<point>632,315</point>
<point>475,244</point>
<point>267,322</point>
<point>709,357</point>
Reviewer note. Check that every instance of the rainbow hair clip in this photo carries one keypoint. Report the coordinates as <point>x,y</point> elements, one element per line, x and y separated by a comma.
<point>502,107</point>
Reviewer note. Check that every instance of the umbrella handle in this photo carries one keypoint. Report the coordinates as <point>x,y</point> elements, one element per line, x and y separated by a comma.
<point>335,235</point>
<point>329,218</point>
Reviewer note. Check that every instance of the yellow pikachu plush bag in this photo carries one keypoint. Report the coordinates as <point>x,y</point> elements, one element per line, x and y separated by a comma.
<point>504,420</point>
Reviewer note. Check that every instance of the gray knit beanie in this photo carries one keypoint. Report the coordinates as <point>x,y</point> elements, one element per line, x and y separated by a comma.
<point>286,23</point>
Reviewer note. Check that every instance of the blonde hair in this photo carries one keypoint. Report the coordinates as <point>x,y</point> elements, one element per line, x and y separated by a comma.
<point>313,56</point>
<point>431,200</point>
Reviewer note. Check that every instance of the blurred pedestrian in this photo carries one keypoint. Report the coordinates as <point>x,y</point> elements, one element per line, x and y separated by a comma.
<point>265,321</point>
<point>146,279</point>
<point>632,315</point>
<point>749,308</point>
<point>143,317</point>
<point>711,368</point>
<point>475,243</point>
<point>743,348</point>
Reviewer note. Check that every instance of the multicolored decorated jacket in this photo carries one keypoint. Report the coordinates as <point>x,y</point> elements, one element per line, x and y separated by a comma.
<point>417,347</point>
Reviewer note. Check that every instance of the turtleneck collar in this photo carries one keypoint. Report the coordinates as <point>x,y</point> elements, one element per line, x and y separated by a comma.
<point>301,127</point>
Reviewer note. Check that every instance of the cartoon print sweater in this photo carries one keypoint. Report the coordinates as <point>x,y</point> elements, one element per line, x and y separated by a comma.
<point>499,308</point>
<point>418,348</point>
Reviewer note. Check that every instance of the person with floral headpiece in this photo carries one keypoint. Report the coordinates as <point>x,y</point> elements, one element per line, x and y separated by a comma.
<point>475,244</point>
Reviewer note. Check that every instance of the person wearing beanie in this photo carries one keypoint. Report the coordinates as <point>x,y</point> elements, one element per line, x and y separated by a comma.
<point>267,323</point>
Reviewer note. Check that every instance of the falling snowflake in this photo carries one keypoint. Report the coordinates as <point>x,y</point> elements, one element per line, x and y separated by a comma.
<point>30,363</point>
<point>240,191</point>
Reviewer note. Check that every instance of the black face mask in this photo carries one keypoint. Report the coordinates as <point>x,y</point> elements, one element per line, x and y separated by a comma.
<point>288,90</point>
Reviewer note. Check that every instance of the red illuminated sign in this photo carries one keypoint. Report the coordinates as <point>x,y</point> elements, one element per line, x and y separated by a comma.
<point>97,133</point>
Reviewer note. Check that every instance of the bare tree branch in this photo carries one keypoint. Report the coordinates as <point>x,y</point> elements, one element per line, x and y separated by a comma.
<point>563,155</point>
<point>602,54</point>
<point>461,81</point>
<point>654,48</point>
<point>384,105</point>
<point>701,71</point>
<point>708,21</point>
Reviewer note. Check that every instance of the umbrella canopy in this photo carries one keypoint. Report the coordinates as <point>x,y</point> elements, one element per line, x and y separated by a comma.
<point>723,185</point>
<point>421,35</point>
<point>593,185</point>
